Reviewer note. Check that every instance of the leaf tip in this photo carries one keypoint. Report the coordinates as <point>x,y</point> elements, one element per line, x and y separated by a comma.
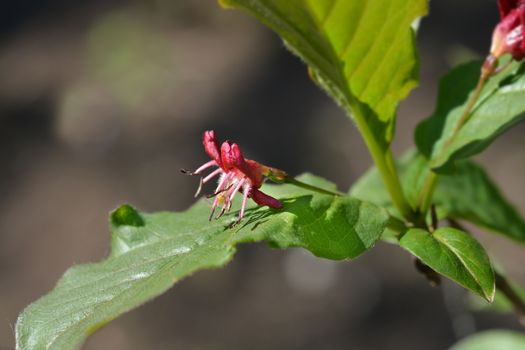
<point>490,296</point>
<point>126,215</point>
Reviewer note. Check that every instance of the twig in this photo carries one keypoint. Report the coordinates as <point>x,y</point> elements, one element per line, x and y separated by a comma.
<point>425,198</point>
<point>503,285</point>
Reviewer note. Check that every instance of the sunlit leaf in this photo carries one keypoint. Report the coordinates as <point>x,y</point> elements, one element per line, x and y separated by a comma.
<point>150,252</point>
<point>361,52</point>
<point>500,106</point>
<point>454,254</point>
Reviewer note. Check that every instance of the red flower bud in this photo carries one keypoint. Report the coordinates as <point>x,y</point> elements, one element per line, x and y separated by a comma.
<point>509,34</point>
<point>210,146</point>
<point>263,199</point>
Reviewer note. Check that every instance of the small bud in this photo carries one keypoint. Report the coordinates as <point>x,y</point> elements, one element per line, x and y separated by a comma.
<point>509,36</point>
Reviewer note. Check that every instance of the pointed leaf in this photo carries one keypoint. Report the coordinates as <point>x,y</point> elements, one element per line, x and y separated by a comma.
<point>454,254</point>
<point>501,303</point>
<point>352,48</point>
<point>500,106</point>
<point>150,252</point>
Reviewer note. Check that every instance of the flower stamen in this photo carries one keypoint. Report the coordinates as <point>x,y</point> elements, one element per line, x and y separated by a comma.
<point>237,174</point>
<point>215,194</point>
<point>205,166</point>
<point>243,205</point>
<point>236,189</point>
<point>212,175</point>
<point>199,189</point>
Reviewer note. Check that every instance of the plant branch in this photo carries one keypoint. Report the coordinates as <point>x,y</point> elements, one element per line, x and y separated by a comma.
<point>425,198</point>
<point>468,109</point>
<point>384,162</point>
<point>503,285</point>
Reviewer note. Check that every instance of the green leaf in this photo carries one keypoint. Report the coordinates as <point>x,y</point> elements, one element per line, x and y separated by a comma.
<point>492,340</point>
<point>454,254</point>
<point>150,252</point>
<point>361,52</point>
<point>371,188</point>
<point>500,106</point>
<point>469,194</point>
<point>450,252</point>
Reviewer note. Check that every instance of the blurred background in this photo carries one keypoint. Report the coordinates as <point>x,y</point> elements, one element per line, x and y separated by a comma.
<point>102,102</point>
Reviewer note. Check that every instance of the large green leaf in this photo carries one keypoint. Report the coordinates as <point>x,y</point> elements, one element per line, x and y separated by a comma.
<point>493,340</point>
<point>454,254</point>
<point>469,194</point>
<point>500,106</point>
<point>361,52</point>
<point>150,252</point>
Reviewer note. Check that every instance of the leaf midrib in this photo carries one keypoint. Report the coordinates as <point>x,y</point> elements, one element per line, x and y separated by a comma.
<point>454,251</point>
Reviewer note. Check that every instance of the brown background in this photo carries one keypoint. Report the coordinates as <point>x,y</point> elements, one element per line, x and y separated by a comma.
<point>102,102</point>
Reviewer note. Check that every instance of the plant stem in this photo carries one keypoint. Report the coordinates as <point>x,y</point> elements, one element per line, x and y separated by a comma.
<point>468,108</point>
<point>384,161</point>
<point>427,192</point>
<point>393,183</point>
<point>425,197</point>
<point>387,169</point>
<point>503,285</point>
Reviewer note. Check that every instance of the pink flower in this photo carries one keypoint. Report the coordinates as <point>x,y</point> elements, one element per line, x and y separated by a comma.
<point>236,175</point>
<point>508,36</point>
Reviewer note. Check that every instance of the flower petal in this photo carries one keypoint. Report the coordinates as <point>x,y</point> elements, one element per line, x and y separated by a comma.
<point>211,147</point>
<point>232,159</point>
<point>508,36</point>
<point>231,156</point>
<point>263,199</point>
<point>254,171</point>
<point>505,6</point>
<point>521,9</point>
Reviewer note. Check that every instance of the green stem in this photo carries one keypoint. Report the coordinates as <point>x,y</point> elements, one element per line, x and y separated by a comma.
<point>425,198</point>
<point>385,164</point>
<point>468,109</point>
<point>393,183</point>
<point>504,286</point>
